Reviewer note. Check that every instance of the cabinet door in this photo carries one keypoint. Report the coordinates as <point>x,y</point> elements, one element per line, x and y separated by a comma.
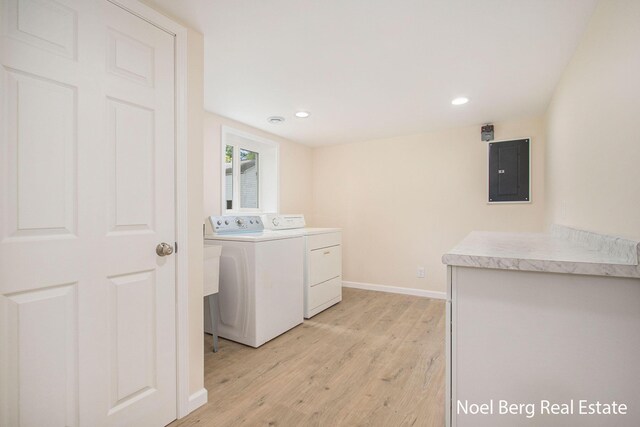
<point>324,292</point>
<point>524,337</point>
<point>325,264</point>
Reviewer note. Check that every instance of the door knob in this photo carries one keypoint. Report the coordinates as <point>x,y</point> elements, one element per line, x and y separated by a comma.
<point>164,249</point>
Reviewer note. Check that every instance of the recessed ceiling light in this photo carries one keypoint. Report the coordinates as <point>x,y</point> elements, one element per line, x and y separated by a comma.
<point>302,114</point>
<point>275,120</point>
<point>460,100</point>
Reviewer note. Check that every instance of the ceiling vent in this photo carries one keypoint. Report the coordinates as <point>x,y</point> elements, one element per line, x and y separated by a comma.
<point>275,120</point>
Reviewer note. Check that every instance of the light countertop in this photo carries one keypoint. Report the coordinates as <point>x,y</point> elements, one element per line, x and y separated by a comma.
<point>563,250</point>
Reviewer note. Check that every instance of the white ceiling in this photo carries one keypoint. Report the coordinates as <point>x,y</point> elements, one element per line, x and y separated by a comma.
<point>369,69</point>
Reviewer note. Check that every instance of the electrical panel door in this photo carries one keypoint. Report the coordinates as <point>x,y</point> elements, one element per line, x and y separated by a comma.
<point>509,171</point>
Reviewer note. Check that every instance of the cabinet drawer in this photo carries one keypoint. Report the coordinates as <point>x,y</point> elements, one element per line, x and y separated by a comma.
<point>316,241</point>
<point>324,264</point>
<point>324,292</point>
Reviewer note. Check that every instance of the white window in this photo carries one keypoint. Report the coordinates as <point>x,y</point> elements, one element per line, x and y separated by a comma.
<point>249,173</point>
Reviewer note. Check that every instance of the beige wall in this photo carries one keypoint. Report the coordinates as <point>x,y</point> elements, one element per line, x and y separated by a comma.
<point>295,167</point>
<point>405,201</point>
<point>593,155</point>
<point>195,94</point>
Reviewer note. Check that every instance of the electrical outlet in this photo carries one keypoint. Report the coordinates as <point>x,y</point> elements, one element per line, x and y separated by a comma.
<point>420,273</point>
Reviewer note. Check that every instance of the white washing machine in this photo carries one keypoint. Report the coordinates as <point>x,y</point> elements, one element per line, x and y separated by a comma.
<point>322,260</point>
<point>261,279</point>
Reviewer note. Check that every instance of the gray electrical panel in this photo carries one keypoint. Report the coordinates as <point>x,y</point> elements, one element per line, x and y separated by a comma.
<point>509,175</point>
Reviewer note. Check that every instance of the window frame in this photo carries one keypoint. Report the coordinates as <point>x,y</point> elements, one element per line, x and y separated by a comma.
<point>268,151</point>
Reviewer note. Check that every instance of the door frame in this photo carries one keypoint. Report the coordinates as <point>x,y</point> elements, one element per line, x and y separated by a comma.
<point>163,22</point>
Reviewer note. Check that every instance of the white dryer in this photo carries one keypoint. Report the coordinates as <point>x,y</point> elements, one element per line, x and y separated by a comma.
<point>322,260</point>
<point>261,279</point>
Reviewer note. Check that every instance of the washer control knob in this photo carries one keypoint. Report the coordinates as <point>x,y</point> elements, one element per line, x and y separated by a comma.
<point>275,221</point>
<point>240,222</point>
<point>219,222</point>
<point>226,222</point>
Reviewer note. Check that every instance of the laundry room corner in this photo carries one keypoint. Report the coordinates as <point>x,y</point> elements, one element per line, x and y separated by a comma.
<point>427,183</point>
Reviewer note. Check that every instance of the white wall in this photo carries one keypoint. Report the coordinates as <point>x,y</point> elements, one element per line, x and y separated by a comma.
<point>295,167</point>
<point>403,202</point>
<point>593,155</point>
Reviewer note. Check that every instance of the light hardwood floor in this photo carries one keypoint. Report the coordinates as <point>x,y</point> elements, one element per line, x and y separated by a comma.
<point>375,359</point>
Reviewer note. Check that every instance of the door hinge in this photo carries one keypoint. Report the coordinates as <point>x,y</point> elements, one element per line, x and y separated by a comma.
<point>175,245</point>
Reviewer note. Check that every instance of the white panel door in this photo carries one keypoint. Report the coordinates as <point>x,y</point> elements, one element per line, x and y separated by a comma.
<point>87,307</point>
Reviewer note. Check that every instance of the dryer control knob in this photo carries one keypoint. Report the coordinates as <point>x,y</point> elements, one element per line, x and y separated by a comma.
<point>275,221</point>
<point>239,221</point>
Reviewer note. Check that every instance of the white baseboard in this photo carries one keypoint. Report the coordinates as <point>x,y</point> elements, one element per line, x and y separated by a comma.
<point>198,399</point>
<point>396,290</point>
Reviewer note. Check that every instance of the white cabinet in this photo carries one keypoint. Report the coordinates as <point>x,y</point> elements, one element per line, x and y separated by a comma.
<point>538,323</point>
<point>528,337</point>
<point>323,272</point>
<point>324,264</point>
